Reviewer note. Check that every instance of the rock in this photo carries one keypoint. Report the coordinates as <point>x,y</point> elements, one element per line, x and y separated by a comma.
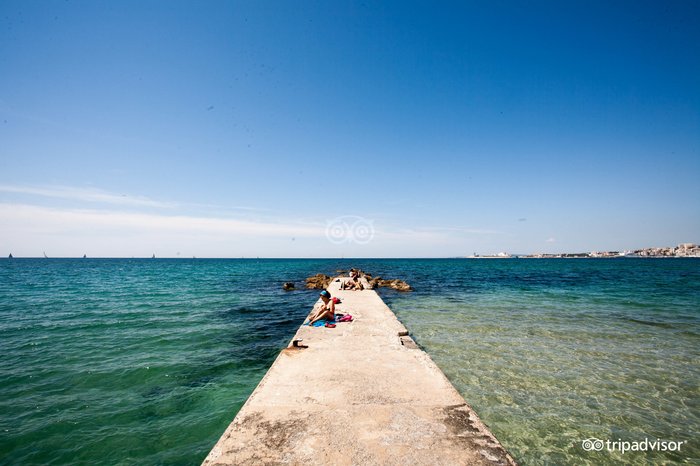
<point>400,285</point>
<point>396,284</point>
<point>288,286</point>
<point>318,282</point>
<point>321,282</point>
<point>374,283</point>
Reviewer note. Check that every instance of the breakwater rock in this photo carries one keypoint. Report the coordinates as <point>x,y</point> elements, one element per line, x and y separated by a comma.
<point>396,284</point>
<point>321,282</point>
<point>318,282</point>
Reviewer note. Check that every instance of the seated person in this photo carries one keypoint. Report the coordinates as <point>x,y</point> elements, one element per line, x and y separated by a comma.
<point>327,310</point>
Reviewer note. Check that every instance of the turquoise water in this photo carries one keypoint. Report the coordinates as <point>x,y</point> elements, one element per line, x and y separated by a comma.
<point>552,352</point>
<point>116,361</point>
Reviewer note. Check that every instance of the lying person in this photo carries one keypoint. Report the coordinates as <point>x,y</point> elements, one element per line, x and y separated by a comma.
<point>352,284</point>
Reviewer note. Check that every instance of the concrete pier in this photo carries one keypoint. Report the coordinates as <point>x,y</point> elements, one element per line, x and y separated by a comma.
<point>360,394</point>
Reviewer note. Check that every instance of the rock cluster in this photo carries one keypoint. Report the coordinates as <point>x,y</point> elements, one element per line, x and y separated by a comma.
<point>396,284</point>
<point>321,282</point>
<point>318,282</point>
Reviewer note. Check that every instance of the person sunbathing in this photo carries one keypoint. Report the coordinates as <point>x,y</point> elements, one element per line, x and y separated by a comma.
<point>353,283</point>
<point>327,310</point>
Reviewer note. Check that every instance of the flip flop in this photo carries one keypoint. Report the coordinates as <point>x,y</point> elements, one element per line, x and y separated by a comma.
<point>329,325</point>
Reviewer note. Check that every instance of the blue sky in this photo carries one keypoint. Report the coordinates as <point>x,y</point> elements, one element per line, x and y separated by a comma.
<point>229,129</point>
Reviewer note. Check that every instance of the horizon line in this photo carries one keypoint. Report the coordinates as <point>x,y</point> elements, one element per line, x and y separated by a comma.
<point>512,256</point>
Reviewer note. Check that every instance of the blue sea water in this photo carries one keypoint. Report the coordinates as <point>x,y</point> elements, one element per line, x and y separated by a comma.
<point>146,361</point>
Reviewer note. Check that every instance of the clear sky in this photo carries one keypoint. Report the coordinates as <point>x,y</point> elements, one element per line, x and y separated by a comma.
<point>355,129</point>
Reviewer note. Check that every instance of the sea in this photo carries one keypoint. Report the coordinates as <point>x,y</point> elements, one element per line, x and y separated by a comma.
<point>147,361</point>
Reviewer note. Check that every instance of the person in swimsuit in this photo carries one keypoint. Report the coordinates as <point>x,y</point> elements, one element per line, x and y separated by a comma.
<point>353,283</point>
<point>327,310</point>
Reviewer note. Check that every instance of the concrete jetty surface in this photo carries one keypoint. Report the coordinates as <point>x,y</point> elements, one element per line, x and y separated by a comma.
<point>360,394</point>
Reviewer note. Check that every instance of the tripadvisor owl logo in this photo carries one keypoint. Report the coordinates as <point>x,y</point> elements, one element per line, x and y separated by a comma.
<point>595,444</point>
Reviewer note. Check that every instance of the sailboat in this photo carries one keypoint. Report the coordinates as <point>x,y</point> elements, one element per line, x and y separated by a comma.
<point>154,256</point>
<point>10,256</point>
<point>84,256</point>
<point>45,256</point>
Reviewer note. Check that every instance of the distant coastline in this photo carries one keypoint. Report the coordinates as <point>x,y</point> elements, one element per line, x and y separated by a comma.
<point>682,250</point>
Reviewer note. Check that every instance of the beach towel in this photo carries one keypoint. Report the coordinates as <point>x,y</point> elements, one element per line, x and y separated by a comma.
<point>338,318</point>
<point>321,323</point>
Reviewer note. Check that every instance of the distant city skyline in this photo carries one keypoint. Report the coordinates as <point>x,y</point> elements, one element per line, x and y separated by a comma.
<point>398,129</point>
